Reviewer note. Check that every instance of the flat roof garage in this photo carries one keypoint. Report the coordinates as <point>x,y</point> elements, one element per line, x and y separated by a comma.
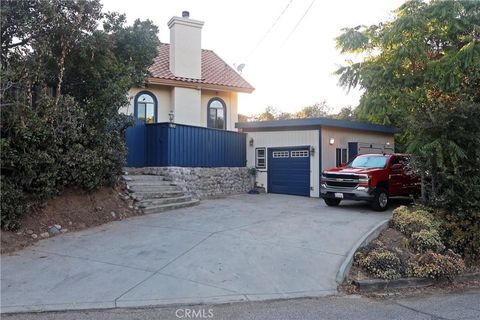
<point>291,154</point>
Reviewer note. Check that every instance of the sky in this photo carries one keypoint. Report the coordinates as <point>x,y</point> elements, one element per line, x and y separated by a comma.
<point>291,64</point>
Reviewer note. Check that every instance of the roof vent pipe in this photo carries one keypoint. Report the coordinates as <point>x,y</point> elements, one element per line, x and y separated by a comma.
<point>185,14</point>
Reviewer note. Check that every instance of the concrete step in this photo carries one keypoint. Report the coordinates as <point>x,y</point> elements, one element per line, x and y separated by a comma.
<point>169,206</point>
<point>156,202</point>
<point>144,177</point>
<point>162,183</point>
<point>152,188</point>
<point>139,196</point>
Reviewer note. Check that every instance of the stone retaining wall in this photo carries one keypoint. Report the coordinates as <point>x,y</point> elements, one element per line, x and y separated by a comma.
<point>204,183</point>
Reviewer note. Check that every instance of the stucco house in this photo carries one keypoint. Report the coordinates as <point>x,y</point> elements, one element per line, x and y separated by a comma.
<point>188,85</point>
<point>188,128</point>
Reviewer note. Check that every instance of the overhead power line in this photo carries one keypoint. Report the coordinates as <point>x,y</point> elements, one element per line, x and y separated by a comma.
<point>298,23</point>
<point>269,29</point>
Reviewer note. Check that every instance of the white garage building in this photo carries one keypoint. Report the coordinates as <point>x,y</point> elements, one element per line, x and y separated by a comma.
<point>291,154</point>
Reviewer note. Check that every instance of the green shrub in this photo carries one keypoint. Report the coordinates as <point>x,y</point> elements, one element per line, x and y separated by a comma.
<point>410,222</point>
<point>461,233</point>
<point>13,204</point>
<point>425,240</point>
<point>50,147</point>
<point>64,79</point>
<point>436,265</point>
<point>380,262</point>
<point>402,210</point>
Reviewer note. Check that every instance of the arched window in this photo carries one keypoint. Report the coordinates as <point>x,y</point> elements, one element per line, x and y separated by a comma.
<point>146,107</point>
<point>217,114</point>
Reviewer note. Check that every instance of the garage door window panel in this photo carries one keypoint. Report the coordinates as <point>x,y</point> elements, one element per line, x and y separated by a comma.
<point>281,154</point>
<point>300,154</point>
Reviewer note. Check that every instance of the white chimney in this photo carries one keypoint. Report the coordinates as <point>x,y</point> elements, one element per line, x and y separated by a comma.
<point>186,46</point>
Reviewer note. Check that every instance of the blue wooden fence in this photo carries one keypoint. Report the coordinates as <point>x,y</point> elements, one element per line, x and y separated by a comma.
<point>184,146</point>
<point>137,148</point>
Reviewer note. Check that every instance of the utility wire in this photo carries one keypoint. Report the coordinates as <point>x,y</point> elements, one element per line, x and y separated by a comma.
<point>298,23</point>
<point>269,30</point>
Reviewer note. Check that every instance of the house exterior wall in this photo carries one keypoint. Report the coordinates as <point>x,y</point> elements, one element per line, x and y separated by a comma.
<point>272,139</point>
<point>317,138</point>
<point>186,104</point>
<point>189,105</point>
<point>343,136</point>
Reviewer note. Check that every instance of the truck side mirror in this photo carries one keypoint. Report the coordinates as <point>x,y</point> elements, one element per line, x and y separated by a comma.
<point>396,167</point>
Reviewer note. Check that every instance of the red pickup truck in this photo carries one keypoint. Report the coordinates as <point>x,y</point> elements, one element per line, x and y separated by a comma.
<point>371,177</point>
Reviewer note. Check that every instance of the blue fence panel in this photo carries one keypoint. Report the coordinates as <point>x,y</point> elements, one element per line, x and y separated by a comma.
<point>157,142</point>
<point>136,144</point>
<point>189,146</point>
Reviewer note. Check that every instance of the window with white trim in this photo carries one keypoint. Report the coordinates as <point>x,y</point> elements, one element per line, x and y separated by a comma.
<point>300,154</point>
<point>260,159</point>
<point>280,154</point>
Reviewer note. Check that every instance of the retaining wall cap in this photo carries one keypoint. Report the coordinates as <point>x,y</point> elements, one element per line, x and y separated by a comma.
<point>379,284</point>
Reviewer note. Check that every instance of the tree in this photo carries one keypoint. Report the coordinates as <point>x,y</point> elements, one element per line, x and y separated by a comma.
<point>270,113</point>
<point>243,118</point>
<point>421,73</point>
<point>346,113</point>
<point>63,80</point>
<point>316,110</point>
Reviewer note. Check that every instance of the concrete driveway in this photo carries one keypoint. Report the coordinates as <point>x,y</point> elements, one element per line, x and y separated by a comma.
<point>244,247</point>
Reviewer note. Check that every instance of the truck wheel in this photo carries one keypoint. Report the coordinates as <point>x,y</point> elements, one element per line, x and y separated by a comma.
<point>332,202</point>
<point>380,201</point>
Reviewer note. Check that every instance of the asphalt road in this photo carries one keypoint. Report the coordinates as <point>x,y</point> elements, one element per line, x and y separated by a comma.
<point>465,306</point>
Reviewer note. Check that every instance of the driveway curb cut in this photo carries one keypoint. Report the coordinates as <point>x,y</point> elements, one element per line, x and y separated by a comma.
<point>366,239</point>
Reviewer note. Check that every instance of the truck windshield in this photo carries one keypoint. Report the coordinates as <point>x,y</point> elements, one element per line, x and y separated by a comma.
<point>368,162</point>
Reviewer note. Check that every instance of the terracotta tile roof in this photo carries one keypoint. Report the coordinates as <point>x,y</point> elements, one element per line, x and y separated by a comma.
<point>215,71</point>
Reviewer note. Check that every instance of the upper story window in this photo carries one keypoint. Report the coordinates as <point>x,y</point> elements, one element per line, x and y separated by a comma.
<point>217,114</point>
<point>146,107</point>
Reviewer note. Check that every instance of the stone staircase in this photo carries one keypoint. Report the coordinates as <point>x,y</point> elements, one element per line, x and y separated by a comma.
<point>155,194</point>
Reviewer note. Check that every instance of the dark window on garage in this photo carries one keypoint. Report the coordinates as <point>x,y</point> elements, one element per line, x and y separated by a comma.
<point>260,158</point>
<point>341,156</point>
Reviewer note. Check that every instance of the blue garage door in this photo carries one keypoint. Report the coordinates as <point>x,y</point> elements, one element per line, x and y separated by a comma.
<point>289,170</point>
